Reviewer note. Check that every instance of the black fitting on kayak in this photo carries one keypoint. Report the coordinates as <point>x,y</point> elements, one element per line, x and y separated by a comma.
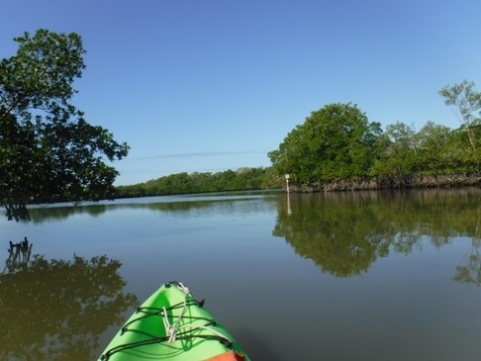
<point>172,283</point>
<point>201,303</point>
<point>226,342</point>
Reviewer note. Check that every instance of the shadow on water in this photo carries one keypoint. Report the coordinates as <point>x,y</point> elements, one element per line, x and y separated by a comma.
<point>255,345</point>
<point>58,309</point>
<point>345,233</point>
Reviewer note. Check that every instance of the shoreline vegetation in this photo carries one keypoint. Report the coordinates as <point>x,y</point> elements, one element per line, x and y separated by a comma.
<point>243,179</point>
<point>250,179</point>
<point>404,182</point>
<point>337,148</point>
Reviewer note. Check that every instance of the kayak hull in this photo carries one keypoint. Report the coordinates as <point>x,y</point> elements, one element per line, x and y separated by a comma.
<point>172,325</point>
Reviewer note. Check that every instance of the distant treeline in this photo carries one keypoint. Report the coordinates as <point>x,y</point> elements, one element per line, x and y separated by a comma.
<point>337,148</point>
<point>185,183</point>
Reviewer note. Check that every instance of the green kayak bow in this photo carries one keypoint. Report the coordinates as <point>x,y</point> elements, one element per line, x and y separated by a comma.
<point>172,325</point>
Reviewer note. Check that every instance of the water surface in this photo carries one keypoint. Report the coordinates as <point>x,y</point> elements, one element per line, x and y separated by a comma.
<point>365,275</point>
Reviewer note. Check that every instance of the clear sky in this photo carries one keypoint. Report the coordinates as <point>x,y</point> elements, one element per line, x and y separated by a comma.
<point>211,85</point>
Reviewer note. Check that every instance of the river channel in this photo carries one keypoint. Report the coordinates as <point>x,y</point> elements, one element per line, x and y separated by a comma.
<point>341,276</point>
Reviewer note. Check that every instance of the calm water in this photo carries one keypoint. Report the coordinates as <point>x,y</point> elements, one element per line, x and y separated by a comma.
<point>352,276</point>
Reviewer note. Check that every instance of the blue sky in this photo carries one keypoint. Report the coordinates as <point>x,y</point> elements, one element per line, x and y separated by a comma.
<point>210,85</point>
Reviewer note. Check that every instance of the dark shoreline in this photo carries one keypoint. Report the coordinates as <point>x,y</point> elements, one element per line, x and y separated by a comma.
<point>398,182</point>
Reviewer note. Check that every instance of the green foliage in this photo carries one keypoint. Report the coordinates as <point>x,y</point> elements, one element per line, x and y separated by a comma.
<point>433,145</point>
<point>334,142</point>
<point>435,149</point>
<point>48,151</point>
<point>184,183</point>
<point>398,149</point>
<point>338,143</point>
<point>467,102</point>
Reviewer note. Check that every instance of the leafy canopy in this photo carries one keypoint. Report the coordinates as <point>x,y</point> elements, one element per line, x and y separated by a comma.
<point>334,142</point>
<point>48,151</point>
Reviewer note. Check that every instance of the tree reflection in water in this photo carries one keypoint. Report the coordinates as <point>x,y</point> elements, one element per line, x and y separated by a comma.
<point>344,233</point>
<point>18,253</point>
<point>471,271</point>
<point>57,309</point>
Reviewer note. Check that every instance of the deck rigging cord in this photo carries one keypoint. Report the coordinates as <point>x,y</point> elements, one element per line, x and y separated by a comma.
<point>175,330</point>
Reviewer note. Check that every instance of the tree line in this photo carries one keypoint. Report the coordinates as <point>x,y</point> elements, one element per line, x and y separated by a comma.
<point>337,148</point>
<point>184,183</point>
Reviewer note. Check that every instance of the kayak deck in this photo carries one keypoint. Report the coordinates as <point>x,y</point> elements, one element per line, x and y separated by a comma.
<point>172,325</point>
